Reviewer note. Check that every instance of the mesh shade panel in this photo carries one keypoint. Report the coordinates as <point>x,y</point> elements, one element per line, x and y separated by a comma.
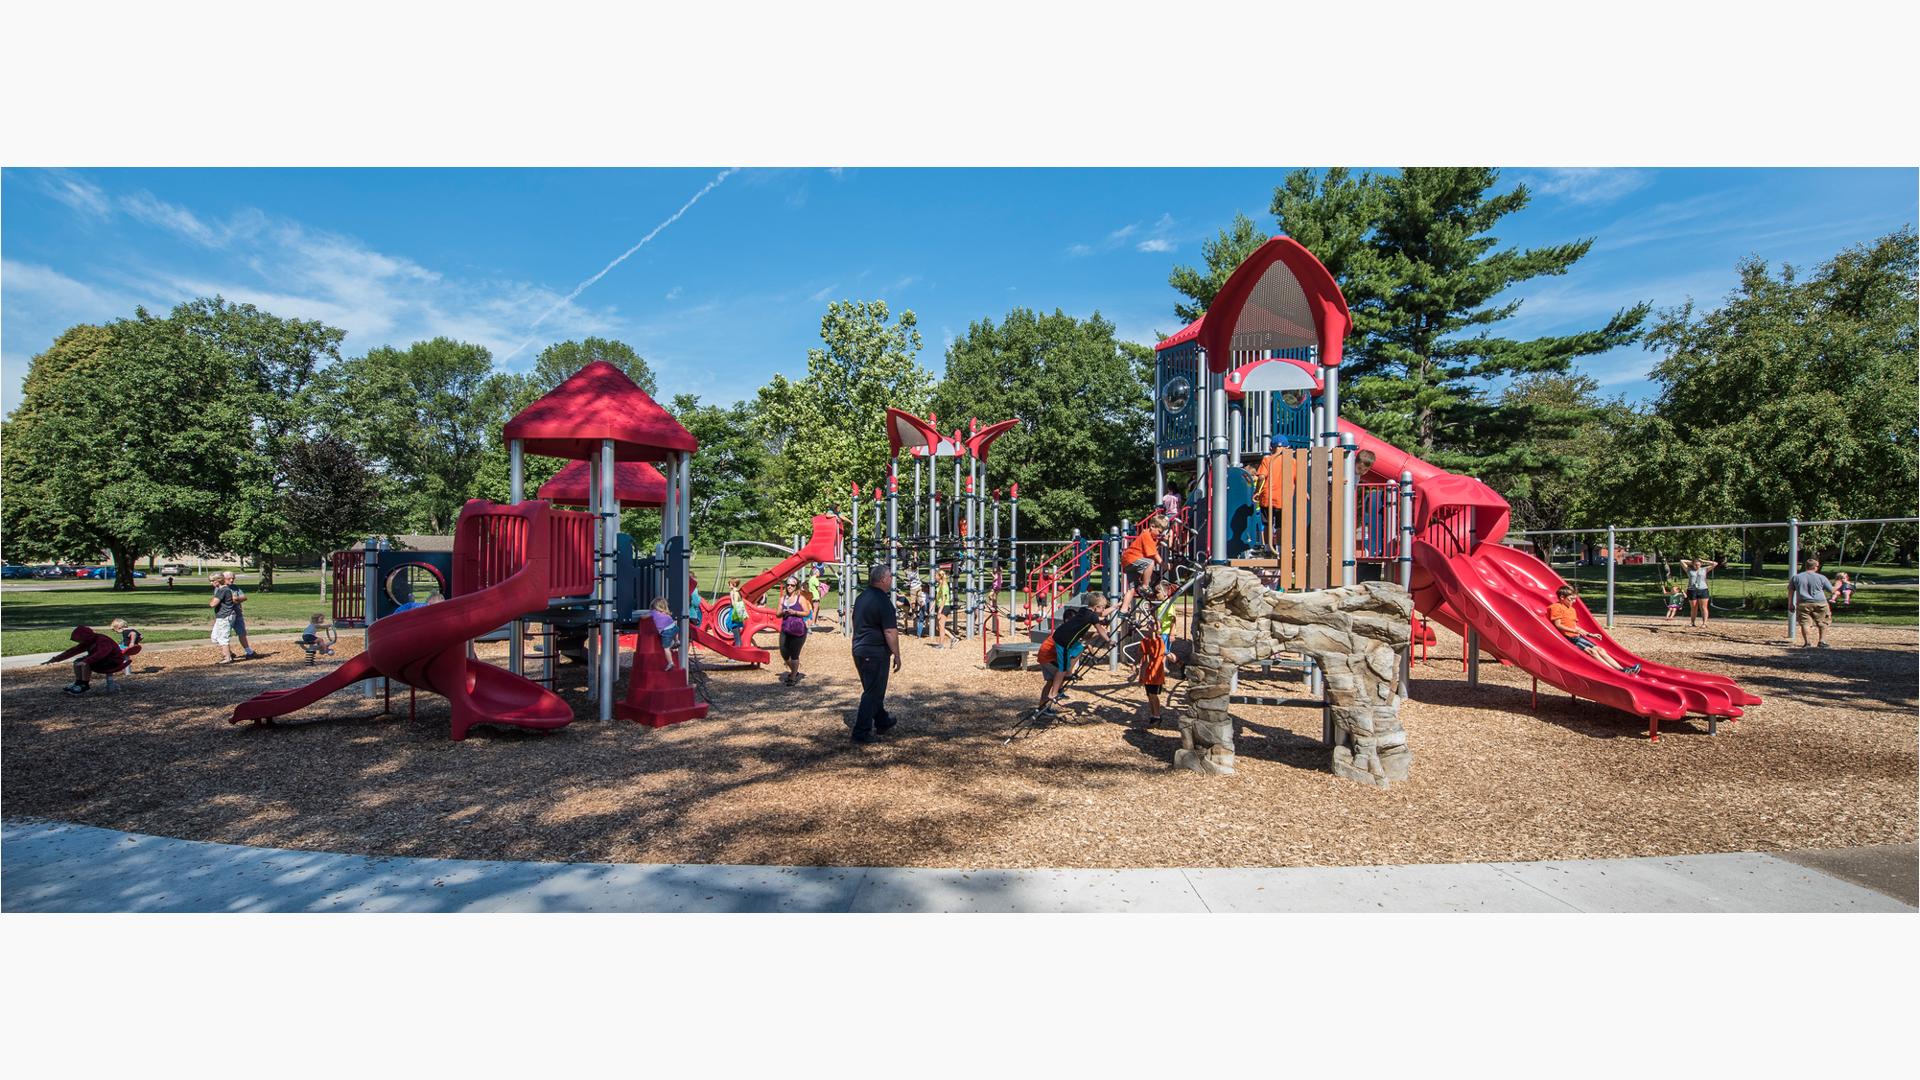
<point>1275,316</point>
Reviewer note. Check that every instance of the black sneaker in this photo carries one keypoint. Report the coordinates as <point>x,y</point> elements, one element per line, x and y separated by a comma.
<point>882,729</point>
<point>77,688</point>
<point>1634,670</point>
<point>862,738</point>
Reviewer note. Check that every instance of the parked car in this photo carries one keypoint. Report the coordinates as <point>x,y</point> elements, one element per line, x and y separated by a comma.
<point>107,573</point>
<point>50,573</point>
<point>173,570</point>
<point>14,571</point>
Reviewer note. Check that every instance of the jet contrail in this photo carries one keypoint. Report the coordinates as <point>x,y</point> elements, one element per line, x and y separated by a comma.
<point>583,286</point>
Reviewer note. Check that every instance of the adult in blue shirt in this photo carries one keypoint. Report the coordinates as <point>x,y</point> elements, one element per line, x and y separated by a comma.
<point>876,651</point>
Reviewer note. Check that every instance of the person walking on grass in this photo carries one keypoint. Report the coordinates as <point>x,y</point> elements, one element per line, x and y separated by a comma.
<point>1699,605</point>
<point>876,652</point>
<point>1811,594</point>
<point>794,613</point>
<point>1560,613</point>
<point>228,623</point>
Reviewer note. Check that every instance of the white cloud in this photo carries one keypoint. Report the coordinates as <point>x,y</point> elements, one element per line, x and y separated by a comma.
<point>674,293</point>
<point>901,284</point>
<point>1592,185</point>
<point>823,294</point>
<point>143,206</point>
<point>31,289</point>
<point>1158,237</point>
<point>83,196</point>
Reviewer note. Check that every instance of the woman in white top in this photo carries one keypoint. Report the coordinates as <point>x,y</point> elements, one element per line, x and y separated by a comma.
<point>1697,605</point>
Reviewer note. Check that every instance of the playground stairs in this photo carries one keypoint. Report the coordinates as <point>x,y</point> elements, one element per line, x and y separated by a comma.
<point>657,696</point>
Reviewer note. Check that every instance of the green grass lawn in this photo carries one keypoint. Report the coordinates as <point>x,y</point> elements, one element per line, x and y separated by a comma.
<point>39,620</point>
<point>1891,595</point>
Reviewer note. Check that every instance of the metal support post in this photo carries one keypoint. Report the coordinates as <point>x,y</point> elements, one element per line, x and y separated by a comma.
<point>685,492</point>
<point>603,591</point>
<point>1793,567</point>
<point>1217,454</point>
<point>1473,636</point>
<point>1349,482</point>
<point>1406,571</point>
<point>1611,560</point>
<point>516,491</point>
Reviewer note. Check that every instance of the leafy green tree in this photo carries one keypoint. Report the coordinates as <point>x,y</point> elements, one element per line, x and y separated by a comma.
<point>558,361</point>
<point>829,429</point>
<point>1796,397</point>
<point>426,416</point>
<point>1081,454</point>
<point>1414,254</point>
<point>330,496</point>
<point>124,441</point>
<point>1574,430</point>
<point>728,500</point>
<point>274,362</point>
<point>1222,254</point>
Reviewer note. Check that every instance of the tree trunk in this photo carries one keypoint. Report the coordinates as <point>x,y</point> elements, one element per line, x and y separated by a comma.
<point>153,563</point>
<point>122,567</point>
<point>266,572</point>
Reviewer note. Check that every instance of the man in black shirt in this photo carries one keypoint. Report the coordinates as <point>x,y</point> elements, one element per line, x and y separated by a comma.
<point>876,638</point>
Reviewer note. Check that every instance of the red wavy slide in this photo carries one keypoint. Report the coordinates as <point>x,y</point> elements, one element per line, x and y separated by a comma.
<point>1503,593</point>
<point>427,646</point>
<point>822,547</point>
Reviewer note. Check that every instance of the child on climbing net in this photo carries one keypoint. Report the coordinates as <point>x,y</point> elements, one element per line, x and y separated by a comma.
<point>1153,666</point>
<point>668,629</point>
<point>1560,614</point>
<point>1064,644</point>
<point>1675,597</point>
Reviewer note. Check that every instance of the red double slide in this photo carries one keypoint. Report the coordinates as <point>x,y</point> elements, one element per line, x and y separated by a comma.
<point>1464,579</point>
<point>501,572</point>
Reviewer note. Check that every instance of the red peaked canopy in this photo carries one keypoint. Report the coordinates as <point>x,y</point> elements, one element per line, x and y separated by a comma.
<point>907,431</point>
<point>635,483</point>
<point>982,441</point>
<point>595,403</point>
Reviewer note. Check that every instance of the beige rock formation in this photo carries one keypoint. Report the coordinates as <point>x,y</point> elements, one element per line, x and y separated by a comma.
<point>1356,633</point>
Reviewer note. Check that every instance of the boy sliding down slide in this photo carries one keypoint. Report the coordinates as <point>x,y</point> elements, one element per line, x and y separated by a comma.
<point>1064,644</point>
<point>1560,614</point>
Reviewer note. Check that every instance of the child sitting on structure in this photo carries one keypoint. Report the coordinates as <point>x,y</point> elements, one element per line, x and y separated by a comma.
<point>318,637</point>
<point>129,637</point>
<point>1064,644</point>
<point>668,629</point>
<point>1675,597</point>
<point>1843,588</point>
<point>737,604</point>
<point>1560,614</point>
<point>1142,557</point>
<point>97,654</point>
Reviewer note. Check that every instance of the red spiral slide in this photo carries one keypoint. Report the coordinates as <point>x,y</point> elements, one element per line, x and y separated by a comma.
<point>1464,579</point>
<point>501,572</point>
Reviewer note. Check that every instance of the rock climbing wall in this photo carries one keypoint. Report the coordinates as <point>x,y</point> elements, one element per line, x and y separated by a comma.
<point>1356,633</point>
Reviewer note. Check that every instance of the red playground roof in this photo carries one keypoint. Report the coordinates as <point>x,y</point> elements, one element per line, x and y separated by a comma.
<point>595,403</point>
<point>635,483</point>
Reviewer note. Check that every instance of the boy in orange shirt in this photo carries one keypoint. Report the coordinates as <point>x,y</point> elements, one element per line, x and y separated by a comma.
<point>1560,613</point>
<point>1142,558</point>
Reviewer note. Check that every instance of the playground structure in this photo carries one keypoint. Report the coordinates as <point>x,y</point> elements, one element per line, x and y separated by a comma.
<point>570,574</point>
<point>1258,377</point>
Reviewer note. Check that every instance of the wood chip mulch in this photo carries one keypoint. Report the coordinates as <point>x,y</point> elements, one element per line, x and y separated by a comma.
<point>770,775</point>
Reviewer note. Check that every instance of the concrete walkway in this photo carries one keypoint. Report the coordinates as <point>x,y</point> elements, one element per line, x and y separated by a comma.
<point>48,866</point>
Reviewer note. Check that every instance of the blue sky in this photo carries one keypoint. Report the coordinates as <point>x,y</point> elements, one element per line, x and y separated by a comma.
<point>733,290</point>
